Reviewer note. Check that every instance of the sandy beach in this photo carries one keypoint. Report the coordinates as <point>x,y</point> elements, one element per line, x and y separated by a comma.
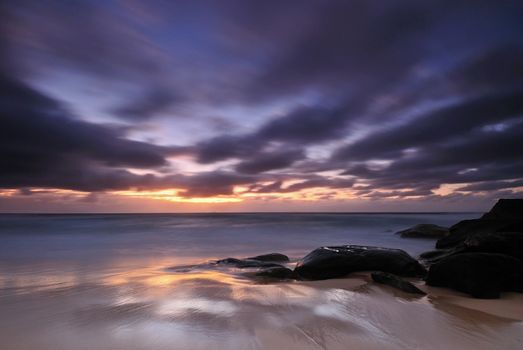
<point>156,307</point>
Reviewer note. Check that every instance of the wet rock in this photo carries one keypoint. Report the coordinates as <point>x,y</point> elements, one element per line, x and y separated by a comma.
<point>508,243</point>
<point>424,231</point>
<point>332,262</point>
<point>505,216</point>
<point>246,263</point>
<point>278,272</point>
<point>505,209</point>
<point>396,282</point>
<point>275,257</point>
<point>434,256</point>
<point>467,228</point>
<point>482,275</point>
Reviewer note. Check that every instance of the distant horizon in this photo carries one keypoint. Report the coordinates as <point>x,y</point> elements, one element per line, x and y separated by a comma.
<point>245,212</point>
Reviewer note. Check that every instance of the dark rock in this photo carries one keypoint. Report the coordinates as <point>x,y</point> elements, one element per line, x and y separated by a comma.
<point>276,257</point>
<point>276,272</point>
<point>396,282</point>
<point>508,243</point>
<point>506,209</point>
<point>466,228</point>
<point>332,262</point>
<point>505,216</point>
<point>434,256</point>
<point>482,275</point>
<point>246,263</point>
<point>424,231</point>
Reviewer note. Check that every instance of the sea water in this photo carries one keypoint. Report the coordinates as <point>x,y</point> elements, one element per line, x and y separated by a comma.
<point>106,282</point>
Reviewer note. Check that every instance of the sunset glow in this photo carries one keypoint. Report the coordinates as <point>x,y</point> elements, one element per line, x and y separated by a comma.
<point>352,105</point>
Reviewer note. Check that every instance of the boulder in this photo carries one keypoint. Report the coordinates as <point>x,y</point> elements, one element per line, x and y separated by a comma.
<point>276,257</point>
<point>482,275</point>
<point>434,256</point>
<point>424,231</point>
<point>466,228</point>
<point>506,209</point>
<point>505,216</point>
<point>339,261</point>
<point>396,282</point>
<point>279,272</point>
<point>508,243</point>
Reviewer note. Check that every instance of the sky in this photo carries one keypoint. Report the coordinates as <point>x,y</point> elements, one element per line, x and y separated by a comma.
<point>235,105</point>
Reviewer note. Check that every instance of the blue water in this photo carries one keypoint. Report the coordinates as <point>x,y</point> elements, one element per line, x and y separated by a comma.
<point>82,282</point>
<point>96,239</point>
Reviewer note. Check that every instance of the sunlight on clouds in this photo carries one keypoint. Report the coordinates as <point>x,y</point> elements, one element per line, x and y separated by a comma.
<point>172,195</point>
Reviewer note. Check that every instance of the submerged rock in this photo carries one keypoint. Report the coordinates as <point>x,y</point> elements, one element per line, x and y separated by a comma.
<point>278,272</point>
<point>246,263</point>
<point>332,262</point>
<point>396,282</point>
<point>276,257</point>
<point>482,275</point>
<point>424,231</point>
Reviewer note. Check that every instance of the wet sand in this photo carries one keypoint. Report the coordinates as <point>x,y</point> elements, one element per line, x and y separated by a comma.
<point>155,307</point>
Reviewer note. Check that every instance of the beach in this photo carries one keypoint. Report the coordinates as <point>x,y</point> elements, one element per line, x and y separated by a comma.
<point>72,283</point>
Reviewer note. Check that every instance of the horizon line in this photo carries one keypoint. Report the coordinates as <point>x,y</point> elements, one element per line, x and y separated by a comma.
<point>241,212</point>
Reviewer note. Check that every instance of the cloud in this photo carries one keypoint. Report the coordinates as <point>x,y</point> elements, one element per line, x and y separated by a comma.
<point>268,161</point>
<point>300,127</point>
<point>43,145</point>
<point>398,98</point>
<point>437,126</point>
<point>154,102</point>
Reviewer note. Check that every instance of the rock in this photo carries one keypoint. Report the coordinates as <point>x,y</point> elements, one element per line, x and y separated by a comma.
<point>246,263</point>
<point>434,256</point>
<point>463,229</point>
<point>396,282</point>
<point>279,272</point>
<point>332,262</point>
<point>482,275</point>
<point>508,243</point>
<point>424,231</point>
<point>276,257</point>
<point>505,216</point>
<point>506,209</point>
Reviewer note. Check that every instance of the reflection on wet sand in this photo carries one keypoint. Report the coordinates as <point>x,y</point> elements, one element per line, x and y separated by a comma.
<point>154,307</point>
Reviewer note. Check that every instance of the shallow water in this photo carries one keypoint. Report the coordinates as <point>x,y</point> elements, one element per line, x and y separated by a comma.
<point>105,282</point>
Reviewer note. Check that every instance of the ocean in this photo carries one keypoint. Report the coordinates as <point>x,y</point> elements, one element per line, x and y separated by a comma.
<point>107,282</point>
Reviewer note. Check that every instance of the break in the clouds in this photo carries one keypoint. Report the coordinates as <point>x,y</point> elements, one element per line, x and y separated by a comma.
<point>335,101</point>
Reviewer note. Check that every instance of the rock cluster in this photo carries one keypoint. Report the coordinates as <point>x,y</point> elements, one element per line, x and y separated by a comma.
<point>481,257</point>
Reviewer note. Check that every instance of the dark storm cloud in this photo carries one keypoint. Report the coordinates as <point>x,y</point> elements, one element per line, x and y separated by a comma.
<point>42,145</point>
<point>479,157</point>
<point>495,68</point>
<point>211,183</point>
<point>97,40</point>
<point>450,73</point>
<point>152,103</point>
<point>437,126</point>
<point>303,126</point>
<point>490,186</point>
<point>313,182</point>
<point>268,161</point>
<point>348,42</point>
